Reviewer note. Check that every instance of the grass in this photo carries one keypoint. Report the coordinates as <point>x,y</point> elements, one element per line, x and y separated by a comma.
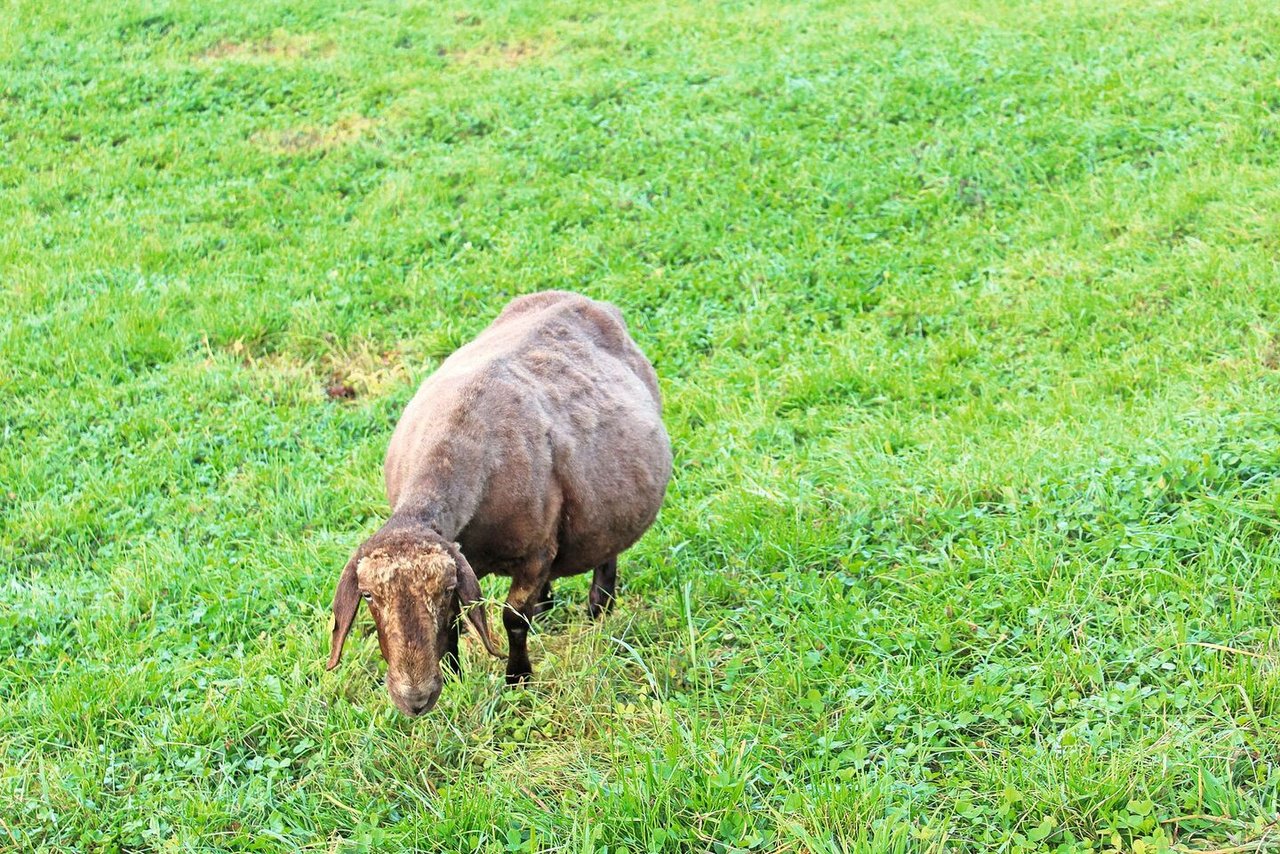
<point>968,319</point>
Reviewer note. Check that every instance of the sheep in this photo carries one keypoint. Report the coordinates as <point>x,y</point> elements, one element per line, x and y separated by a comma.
<point>535,452</point>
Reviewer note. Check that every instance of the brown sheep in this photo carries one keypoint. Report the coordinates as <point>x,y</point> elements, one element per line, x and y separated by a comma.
<point>537,451</point>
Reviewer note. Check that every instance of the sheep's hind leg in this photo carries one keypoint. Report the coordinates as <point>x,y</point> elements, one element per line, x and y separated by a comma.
<point>603,582</point>
<point>546,601</point>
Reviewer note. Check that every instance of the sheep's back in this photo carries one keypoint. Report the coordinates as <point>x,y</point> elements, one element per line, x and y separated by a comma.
<point>597,396</point>
<point>557,413</point>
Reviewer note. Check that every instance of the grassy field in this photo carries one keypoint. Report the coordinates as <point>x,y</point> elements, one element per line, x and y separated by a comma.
<point>967,316</point>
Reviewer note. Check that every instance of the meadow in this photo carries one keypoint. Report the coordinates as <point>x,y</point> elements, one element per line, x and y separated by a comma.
<point>967,317</point>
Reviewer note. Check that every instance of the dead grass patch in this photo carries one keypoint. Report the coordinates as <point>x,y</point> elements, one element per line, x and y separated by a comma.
<point>1271,356</point>
<point>502,54</point>
<point>365,370</point>
<point>279,47</point>
<point>304,139</point>
<point>359,370</point>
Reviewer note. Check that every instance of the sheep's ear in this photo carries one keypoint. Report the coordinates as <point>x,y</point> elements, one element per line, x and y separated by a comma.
<point>345,602</point>
<point>470,599</point>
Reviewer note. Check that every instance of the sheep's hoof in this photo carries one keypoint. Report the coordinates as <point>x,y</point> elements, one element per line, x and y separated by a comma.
<point>597,607</point>
<point>514,679</point>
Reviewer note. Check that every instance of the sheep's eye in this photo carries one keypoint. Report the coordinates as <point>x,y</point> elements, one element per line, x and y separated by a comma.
<point>366,595</point>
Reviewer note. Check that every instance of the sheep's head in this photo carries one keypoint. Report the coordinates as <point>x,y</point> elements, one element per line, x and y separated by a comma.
<point>417,588</point>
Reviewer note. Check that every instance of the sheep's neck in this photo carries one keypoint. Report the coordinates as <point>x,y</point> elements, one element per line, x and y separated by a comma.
<point>439,515</point>
<point>440,485</point>
<point>424,516</point>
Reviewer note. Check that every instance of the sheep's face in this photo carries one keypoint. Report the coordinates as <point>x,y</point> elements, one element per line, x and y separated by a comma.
<point>414,605</point>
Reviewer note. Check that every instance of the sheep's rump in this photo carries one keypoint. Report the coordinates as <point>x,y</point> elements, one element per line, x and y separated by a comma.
<point>554,414</point>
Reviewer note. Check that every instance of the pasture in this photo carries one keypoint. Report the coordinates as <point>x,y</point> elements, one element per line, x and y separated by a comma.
<point>967,316</point>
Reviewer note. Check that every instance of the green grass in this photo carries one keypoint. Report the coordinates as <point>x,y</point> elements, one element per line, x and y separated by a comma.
<point>968,319</point>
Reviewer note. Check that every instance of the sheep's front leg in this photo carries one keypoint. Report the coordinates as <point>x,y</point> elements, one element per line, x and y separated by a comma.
<point>603,582</point>
<point>517,617</point>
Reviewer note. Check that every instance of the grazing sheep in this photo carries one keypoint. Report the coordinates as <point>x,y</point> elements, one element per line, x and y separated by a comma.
<point>537,451</point>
